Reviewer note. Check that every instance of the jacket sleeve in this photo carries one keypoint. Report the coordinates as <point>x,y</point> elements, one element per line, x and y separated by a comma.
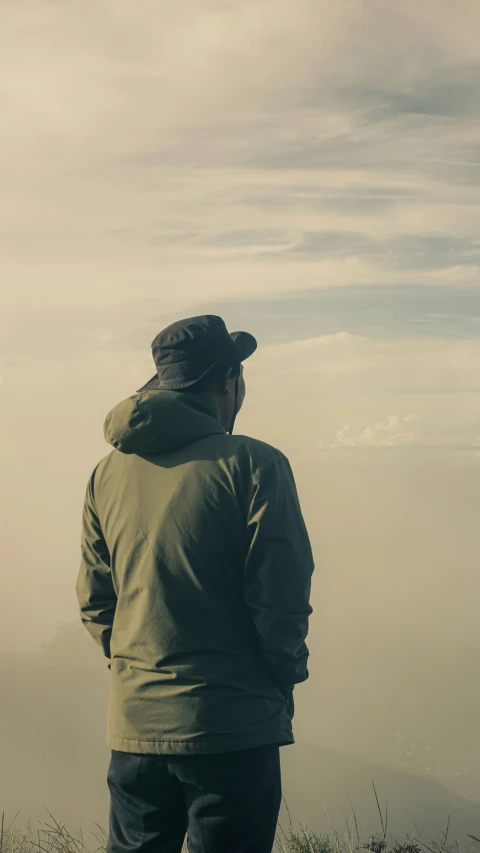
<point>278,571</point>
<point>94,587</point>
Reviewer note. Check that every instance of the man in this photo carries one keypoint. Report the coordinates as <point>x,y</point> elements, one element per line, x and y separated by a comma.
<point>195,581</point>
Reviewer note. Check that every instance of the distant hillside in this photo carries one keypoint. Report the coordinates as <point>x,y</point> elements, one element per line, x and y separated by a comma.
<point>315,777</point>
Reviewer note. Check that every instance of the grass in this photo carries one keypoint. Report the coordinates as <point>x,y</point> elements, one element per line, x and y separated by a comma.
<point>55,838</point>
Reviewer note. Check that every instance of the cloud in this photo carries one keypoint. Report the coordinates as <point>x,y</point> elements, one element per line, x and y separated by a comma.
<point>168,159</point>
<point>160,147</point>
<point>364,363</point>
<point>396,430</point>
<point>408,431</point>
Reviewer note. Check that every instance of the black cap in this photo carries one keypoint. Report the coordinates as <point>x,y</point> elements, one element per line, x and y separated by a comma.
<point>185,351</point>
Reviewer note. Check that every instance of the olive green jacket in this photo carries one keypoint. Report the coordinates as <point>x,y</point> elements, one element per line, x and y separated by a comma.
<point>195,580</point>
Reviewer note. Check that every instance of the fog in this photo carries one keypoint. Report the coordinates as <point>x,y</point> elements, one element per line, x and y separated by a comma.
<point>308,171</point>
<point>393,638</point>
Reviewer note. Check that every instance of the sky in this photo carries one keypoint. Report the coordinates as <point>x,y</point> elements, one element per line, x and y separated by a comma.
<point>309,171</point>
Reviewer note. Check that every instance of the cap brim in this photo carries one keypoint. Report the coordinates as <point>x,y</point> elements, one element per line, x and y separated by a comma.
<point>151,385</point>
<point>244,342</point>
<point>154,384</point>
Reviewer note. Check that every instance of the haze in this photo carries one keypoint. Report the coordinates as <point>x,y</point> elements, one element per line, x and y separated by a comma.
<point>310,171</point>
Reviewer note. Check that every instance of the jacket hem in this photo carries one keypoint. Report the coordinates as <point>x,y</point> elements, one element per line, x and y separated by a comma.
<point>199,747</point>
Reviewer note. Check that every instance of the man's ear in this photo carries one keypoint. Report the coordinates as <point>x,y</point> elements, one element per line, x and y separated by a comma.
<point>223,383</point>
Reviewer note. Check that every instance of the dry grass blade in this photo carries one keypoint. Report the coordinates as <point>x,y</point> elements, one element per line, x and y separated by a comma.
<point>356,824</point>
<point>384,825</point>
<point>339,849</point>
<point>446,834</point>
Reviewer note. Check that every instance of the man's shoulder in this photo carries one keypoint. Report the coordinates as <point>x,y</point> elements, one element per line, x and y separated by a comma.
<point>96,472</point>
<point>260,453</point>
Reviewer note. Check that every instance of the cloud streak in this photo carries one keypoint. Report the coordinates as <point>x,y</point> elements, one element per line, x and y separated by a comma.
<point>142,148</point>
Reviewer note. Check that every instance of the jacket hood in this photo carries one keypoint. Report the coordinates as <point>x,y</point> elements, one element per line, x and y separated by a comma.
<point>159,421</point>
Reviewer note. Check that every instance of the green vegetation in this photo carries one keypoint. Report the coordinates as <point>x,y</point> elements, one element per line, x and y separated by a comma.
<point>55,838</point>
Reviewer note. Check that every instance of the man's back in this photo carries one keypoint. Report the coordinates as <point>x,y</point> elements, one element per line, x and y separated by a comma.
<point>195,579</point>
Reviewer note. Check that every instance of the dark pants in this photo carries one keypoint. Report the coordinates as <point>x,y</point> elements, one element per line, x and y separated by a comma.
<point>226,802</point>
